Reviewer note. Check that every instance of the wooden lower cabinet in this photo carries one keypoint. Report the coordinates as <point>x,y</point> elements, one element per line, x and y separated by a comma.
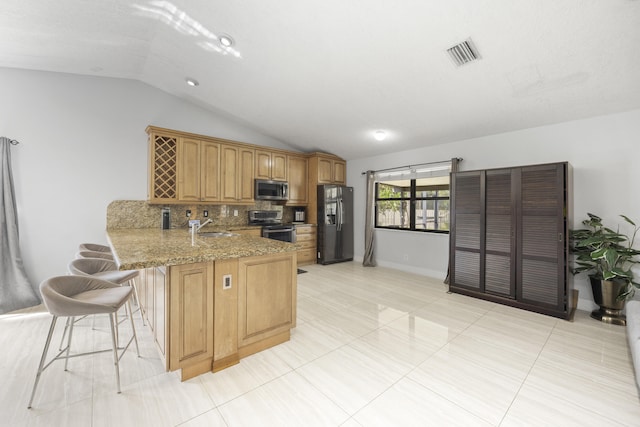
<point>225,318</point>
<point>207,316</point>
<point>152,293</point>
<point>191,314</point>
<point>306,242</point>
<point>266,303</point>
<point>159,317</point>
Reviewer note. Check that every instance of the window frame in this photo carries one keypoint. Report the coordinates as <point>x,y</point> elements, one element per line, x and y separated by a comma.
<point>412,200</point>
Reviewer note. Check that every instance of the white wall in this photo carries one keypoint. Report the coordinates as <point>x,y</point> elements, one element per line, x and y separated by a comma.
<point>604,152</point>
<point>83,145</point>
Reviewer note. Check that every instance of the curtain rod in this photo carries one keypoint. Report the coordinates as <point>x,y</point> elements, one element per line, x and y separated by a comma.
<point>12,141</point>
<point>416,165</point>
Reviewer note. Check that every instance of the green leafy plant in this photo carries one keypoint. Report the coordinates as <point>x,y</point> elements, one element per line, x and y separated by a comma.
<point>606,254</point>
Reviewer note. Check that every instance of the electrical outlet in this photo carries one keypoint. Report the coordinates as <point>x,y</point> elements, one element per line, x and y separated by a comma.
<point>226,281</point>
<point>188,213</point>
<point>205,213</point>
<point>405,257</point>
<point>235,212</point>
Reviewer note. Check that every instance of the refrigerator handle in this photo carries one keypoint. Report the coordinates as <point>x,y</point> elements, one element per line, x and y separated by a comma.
<point>339,215</point>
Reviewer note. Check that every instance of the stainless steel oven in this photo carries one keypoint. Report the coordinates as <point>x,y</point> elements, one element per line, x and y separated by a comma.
<point>282,232</point>
<point>272,226</point>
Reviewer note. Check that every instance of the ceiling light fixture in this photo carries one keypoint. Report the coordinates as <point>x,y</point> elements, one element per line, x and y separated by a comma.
<point>379,135</point>
<point>192,82</point>
<point>225,40</point>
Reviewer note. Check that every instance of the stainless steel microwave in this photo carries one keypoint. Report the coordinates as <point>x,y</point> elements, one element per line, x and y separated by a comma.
<point>271,190</point>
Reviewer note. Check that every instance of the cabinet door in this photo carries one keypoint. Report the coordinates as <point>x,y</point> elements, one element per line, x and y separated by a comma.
<point>266,294</point>
<point>229,178</point>
<point>325,171</point>
<point>188,170</point>
<point>237,174</point>
<point>163,151</point>
<point>191,314</point>
<point>279,166</point>
<point>263,164</point>
<point>210,171</point>
<point>270,165</point>
<point>500,234</point>
<point>542,234</point>
<point>159,310</point>
<point>466,233</point>
<point>225,341</point>
<point>149,308</point>
<point>298,180</point>
<point>339,172</point>
<point>245,176</point>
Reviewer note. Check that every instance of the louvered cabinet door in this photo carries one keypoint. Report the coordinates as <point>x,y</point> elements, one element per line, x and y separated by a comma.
<point>542,234</point>
<point>466,231</point>
<point>500,234</point>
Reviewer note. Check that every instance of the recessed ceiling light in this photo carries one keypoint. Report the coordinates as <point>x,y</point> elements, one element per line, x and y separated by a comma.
<point>379,135</point>
<point>192,82</point>
<point>226,40</point>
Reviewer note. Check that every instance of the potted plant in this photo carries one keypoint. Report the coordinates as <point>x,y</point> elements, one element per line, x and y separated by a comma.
<point>607,256</point>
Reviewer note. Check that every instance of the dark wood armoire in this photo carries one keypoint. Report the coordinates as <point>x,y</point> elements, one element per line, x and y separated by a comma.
<point>509,236</point>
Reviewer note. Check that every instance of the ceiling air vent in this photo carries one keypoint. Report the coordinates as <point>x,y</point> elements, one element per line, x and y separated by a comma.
<point>463,53</point>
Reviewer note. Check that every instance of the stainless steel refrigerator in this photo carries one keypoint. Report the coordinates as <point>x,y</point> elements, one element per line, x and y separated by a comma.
<point>335,224</point>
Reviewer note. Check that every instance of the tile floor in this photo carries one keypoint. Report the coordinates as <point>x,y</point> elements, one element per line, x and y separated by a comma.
<point>373,347</point>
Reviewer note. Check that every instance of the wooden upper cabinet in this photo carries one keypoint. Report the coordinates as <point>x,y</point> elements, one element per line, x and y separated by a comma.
<point>236,174</point>
<point>340,172</point>
<point>189,168</point>
<point>323,169</point>
<point>198,170</point>
<point>209,171</point>
<point>271,165</point>
<point>298,180</point>
<point>331,171</point>
<point>163,158</point>
<point>245,175</point>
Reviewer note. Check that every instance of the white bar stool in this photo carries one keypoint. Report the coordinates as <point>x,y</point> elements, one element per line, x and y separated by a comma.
<point>106,270</point>
<point>71,296</point>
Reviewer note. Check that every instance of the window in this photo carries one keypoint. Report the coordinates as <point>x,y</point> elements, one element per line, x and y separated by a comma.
<point>416,204</point>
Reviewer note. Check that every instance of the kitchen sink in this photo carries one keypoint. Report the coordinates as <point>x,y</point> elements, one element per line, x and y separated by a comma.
<point>217,234</point>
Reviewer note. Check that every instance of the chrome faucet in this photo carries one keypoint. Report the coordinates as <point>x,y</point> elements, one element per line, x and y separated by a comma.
<point>202,225</point>
<point>196,228</point>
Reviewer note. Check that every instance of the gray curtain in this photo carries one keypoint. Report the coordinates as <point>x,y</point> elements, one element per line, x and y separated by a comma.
<point>369,259</point>
<point>15,289</point>
<point>454,169</point>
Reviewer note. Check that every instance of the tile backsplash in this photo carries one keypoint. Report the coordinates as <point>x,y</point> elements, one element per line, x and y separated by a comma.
<point>140,214</point>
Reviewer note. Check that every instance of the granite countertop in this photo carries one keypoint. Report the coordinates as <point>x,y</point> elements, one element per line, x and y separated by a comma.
<point>137,248</point>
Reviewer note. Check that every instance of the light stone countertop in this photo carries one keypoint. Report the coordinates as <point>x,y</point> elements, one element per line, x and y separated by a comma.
<point>137,248</point>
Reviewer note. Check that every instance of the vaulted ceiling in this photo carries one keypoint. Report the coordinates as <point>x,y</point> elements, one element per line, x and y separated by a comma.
<point>324,75</point>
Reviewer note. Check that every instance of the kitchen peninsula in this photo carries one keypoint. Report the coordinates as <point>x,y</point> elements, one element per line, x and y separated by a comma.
<point>214,302</point>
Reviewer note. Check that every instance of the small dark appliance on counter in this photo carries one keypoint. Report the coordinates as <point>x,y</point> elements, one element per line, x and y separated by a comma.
<point>299,215</point>
<point>166,218</point>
